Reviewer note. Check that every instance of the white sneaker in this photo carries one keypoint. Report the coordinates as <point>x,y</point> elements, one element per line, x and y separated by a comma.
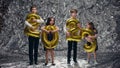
<point>88,61</point>
<point>95,62</point>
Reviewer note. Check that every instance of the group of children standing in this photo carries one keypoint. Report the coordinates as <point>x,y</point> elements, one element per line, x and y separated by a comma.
<point>32,30</point>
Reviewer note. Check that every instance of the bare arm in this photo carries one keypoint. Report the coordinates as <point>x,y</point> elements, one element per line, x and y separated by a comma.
<point>57,29</point>
<point>43,28</point>
<point>88,39</point>
<point>94,36</point>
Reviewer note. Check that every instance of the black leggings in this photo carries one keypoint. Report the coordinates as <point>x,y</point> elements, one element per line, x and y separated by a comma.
<point>72,45</point>
<point>33,46</point>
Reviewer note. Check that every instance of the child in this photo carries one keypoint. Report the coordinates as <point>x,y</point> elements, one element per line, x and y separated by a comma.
<point>32,22</point>
<point>91,38</point>
<point>72,24</point>
<point>50,30</point>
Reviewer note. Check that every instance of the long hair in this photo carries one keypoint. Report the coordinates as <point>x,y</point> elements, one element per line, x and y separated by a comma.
<point>92,25</point>
<point>49,19</point>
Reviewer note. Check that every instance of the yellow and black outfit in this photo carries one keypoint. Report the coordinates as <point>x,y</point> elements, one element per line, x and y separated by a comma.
<point>33,36</point>
<point>75,36</point>
<point>90,46</point>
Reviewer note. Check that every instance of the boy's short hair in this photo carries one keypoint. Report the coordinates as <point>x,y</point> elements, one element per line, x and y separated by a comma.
<point>73,11</point>
<point>34,6</point>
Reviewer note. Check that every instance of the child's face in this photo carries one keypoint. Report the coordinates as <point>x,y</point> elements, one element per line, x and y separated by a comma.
<point>52,21</point>
<point>74,14</point>
<point>88,26</point>
<point>34,10</point>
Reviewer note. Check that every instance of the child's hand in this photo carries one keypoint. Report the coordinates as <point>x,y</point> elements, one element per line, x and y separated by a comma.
<point>68,34</point>
<point>88,39</point>
<point>34,20</point>
<point>47,31</point>
<point>53,31</point>
<point>90,36</point>
<point>32,28</point>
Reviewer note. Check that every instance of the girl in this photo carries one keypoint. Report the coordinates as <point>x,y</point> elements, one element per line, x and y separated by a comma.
<point>91,38</point>
<point>49,30</point>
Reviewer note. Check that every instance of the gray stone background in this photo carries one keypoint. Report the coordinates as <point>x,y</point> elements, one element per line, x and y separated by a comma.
<point>105,14</point>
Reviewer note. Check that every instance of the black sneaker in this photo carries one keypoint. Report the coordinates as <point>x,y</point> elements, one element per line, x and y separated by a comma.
<point>53,64</point>
<point>68,63</point>
<point>46,64</point>
<point>31,63</point>
<point>75,61</point>
<point>36,63</point>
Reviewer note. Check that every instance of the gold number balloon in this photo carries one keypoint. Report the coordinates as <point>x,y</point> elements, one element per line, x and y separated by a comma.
<point>28,31</point>
<point>53,43</point>
<point>92,46</point>
<point>75,32</point>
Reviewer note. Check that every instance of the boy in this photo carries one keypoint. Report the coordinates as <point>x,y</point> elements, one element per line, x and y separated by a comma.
<point>72,29</point>
<point>32,23</point>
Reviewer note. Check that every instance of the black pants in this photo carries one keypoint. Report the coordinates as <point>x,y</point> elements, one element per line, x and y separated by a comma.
<point>72,45</point>
<point>33,46</point>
